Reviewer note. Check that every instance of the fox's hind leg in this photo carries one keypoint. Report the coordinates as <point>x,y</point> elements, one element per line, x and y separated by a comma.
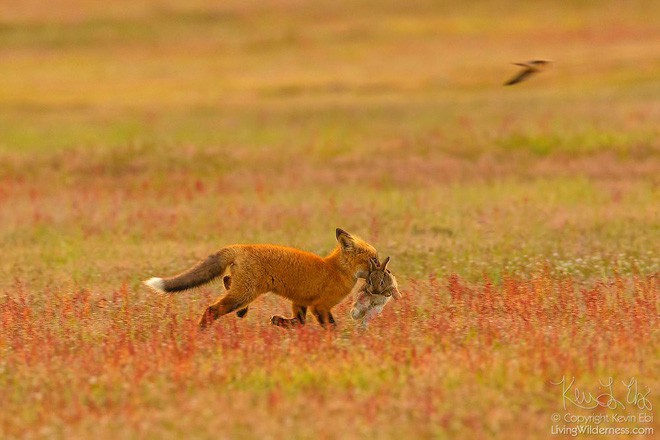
<point>226,280</point>
<point>299,317</point>
<point>237,298</point>
<point>222,307</point>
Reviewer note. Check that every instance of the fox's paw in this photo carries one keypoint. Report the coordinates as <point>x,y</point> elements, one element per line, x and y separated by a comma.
<point>203,323</point>
<point>207,318</point>
<point>280,321</point>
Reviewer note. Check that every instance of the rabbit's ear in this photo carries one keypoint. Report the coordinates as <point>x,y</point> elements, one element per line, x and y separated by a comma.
<point>372,265</point>
<point>385,263</point>
<point>362,274</point>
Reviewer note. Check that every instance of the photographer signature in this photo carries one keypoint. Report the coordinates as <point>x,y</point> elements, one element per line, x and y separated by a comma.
<point>587,400</point>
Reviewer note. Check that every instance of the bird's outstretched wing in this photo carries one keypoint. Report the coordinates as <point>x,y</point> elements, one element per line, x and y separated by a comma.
<point>520,77</point>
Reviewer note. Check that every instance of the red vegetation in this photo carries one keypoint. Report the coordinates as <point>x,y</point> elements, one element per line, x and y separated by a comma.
<point>72,357</point>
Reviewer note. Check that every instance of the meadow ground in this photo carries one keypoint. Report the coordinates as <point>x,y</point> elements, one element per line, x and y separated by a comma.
<point>522,222</point>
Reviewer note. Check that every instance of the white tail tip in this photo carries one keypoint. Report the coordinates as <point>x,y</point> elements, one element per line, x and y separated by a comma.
<point>156,284</point>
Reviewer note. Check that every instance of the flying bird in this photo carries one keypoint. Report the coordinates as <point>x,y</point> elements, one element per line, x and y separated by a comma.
<point>529,68</point>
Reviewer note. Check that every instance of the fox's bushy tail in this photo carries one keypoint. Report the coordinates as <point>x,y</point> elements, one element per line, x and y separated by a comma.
<point>201,273</point>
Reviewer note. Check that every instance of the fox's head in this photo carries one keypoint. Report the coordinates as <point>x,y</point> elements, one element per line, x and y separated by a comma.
<point>355,252</point>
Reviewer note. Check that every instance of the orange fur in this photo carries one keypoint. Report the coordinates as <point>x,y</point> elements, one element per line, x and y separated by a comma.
<point>308,280</point>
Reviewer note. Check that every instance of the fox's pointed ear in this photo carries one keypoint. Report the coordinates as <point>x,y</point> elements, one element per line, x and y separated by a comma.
<point>345,239</point>
<point>384,265</point>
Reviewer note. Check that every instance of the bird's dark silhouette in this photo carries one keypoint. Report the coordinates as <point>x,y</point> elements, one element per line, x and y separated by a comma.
<point>529,69</point>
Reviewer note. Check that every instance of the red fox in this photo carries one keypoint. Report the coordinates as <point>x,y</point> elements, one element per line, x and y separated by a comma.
<point>306,279</point>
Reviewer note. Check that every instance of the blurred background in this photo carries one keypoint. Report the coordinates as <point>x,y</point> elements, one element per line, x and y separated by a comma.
<point>194,124</point>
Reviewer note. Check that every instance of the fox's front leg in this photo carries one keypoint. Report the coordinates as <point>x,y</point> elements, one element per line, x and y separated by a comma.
<point>299,317</point>
<point>325,318</point>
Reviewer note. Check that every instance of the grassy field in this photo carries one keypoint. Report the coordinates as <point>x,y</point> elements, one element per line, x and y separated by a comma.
<point>523,222</point>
